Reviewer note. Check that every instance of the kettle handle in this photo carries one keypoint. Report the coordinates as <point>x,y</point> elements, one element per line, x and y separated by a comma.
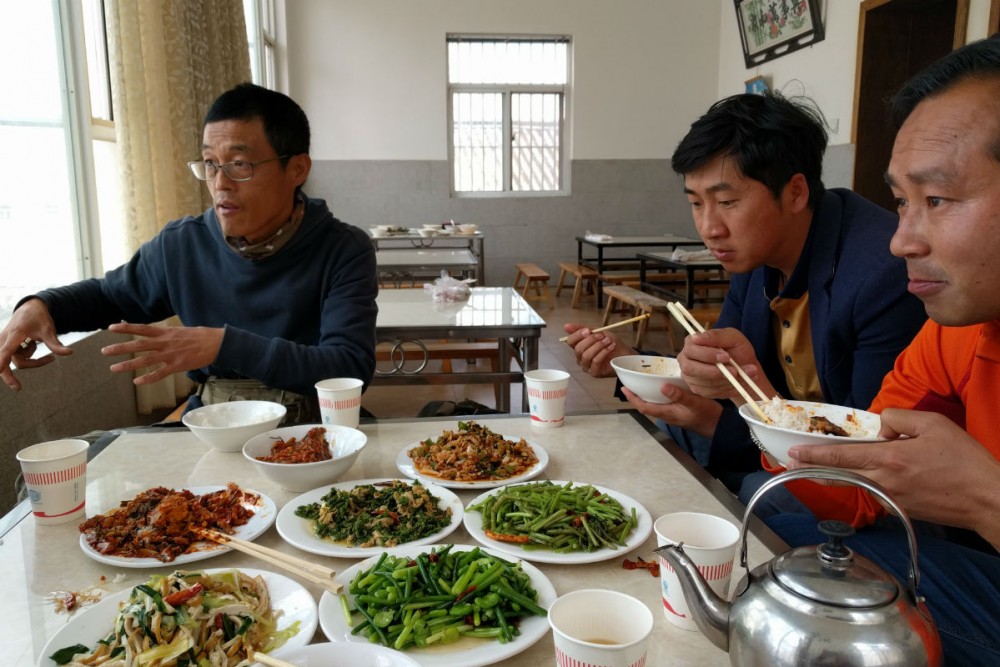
<point>835,475</point>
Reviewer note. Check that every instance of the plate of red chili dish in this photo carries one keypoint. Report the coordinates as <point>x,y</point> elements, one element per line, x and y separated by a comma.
<point>157,527</point>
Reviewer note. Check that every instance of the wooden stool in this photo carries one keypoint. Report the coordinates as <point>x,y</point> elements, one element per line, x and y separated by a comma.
<point>585,277</point>
<point>536,277</point>
<point>639,301</point>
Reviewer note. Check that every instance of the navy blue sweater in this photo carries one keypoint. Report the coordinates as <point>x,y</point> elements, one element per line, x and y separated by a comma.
<point>301,315</point>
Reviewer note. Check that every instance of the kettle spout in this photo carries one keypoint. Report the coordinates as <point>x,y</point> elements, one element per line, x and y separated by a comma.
<point>709,611</point>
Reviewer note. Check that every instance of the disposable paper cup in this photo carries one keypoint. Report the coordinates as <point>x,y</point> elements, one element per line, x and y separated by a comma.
<point>710,542</point>
<point>56,476</point>
<point>600,628</point>
<point>340,401</point>
<point>547,391</point>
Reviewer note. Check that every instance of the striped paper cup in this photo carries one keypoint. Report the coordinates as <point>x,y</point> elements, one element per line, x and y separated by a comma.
<point>55,474</point>
<point>600,628</point>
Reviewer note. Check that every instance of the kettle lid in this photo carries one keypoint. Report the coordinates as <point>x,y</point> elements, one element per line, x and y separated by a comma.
<point>832,574</point>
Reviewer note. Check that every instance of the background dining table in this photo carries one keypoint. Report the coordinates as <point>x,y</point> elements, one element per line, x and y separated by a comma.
<point>616,450</point>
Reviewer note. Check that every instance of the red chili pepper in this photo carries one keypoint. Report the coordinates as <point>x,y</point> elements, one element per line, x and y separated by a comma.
<point>180,597</point>
<point>70,601</point>
<point>464,593</point>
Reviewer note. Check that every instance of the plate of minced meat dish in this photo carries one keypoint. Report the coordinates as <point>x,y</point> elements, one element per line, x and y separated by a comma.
<point>362,518</point>
<point>472,457</point>
<point>159,526</point>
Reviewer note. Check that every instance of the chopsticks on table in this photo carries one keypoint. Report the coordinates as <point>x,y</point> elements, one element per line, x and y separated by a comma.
<point>612,326</point>
<point>693,326</point>
<point>317,574</point>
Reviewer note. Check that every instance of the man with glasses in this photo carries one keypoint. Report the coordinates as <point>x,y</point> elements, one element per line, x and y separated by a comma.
<point>274,293</point>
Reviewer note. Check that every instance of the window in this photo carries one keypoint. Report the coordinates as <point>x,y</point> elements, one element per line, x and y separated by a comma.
<point>507,110</point>
<point>261,35</point>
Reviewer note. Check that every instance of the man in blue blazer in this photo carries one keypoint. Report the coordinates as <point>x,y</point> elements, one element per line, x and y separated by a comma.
<point>817,307</point>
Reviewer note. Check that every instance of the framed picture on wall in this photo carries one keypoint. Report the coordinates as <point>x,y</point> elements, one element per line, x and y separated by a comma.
<point>770,29</point>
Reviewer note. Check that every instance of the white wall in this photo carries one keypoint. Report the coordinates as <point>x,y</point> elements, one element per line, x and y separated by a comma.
<point>824,71</point>
<point>371,74</point>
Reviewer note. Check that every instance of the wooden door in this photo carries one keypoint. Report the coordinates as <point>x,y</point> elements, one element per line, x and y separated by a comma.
<point>896,39</point>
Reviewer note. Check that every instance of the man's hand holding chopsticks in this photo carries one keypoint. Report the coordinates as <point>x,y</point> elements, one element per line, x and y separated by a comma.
<point>701,353</point>
<point>594,350</point>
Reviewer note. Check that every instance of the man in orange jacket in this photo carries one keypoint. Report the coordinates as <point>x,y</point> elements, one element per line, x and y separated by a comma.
<point>939,405</point>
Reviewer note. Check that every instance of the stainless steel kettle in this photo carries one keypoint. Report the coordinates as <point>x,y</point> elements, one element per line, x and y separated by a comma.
<point>817,605</point>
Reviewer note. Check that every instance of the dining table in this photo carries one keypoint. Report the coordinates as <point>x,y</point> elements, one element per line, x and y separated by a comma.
<point>401,266</point>
<point>602,243</point>
<point>618,450</point>
<point>439,239</point>
<point>706,274</point>
<point>498,315</point>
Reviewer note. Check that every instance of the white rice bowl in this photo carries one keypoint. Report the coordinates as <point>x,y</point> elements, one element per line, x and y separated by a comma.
<point>791,424</point>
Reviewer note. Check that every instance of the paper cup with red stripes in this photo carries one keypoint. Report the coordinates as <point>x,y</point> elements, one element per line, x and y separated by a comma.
<point>710,542</point>
<point>600,628</point>
<point>547,391</point>
<point>340,401</point>
<point>55,474</point>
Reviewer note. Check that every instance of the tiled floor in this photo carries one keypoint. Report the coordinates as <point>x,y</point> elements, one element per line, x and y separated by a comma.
<point>585,392</point>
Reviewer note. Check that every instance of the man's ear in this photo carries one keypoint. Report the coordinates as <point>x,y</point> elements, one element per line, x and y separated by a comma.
<point>298,167</point>
<point>795,196</point>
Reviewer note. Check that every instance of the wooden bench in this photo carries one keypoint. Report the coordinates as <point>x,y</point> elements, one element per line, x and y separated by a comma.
<point>535,277</point>
<point>586,277</point>
<point>639,303</point>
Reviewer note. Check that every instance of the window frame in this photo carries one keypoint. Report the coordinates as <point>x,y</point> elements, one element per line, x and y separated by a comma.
<point>507,91</point>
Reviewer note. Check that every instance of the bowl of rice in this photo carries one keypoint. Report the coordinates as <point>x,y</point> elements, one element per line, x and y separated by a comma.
<point>645,375</point>
<point>808,423</point>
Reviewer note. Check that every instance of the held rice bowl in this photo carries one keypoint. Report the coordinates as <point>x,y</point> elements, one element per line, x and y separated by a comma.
<point>344,444</point>
<point>808,423</point>
<point>644,375</point>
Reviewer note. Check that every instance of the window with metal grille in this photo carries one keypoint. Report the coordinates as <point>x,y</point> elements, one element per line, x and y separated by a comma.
<point>507,108</point>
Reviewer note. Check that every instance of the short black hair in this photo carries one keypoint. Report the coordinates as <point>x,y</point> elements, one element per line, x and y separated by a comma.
<point>285,124</point>
<point>771,138</point>
<point>976,60</point>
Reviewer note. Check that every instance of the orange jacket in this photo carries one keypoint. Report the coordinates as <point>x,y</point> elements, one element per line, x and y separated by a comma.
<point>951,370</point>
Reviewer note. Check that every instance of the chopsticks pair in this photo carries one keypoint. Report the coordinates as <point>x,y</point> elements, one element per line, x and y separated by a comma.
<point>612,326</point>
<point>693,326</point>
<point>317,574</point>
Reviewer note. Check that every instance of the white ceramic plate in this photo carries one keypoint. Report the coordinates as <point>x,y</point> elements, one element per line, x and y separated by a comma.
<point>467,652</point>
<point>298,532</point>
<point>405,465</point>
<point>343,654</point>
<point>287,596</point>
<point>474,524</point>
<point>263,517</point>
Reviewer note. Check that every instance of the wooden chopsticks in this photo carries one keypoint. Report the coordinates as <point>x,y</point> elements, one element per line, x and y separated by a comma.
<point>265,659</point>
<point>612,326</point>
<point>693,326</point>
<point>317,574</point>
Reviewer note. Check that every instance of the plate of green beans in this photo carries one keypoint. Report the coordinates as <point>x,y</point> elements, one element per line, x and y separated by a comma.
<point>558,522</point>
<point>444,605</point>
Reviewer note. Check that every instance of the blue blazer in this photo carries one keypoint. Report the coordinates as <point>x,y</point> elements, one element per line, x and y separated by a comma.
<point>860,312</point>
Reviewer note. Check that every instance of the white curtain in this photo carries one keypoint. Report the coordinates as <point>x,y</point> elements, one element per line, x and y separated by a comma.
<point>169,60</point>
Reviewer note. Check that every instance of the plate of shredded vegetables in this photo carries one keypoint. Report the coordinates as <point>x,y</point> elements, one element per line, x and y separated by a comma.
<point>445,606</point>
<point>558,522</point>
<point>472,457</point>
<point>158,526</point>
<point>193,618</point>
<point>362,518</point>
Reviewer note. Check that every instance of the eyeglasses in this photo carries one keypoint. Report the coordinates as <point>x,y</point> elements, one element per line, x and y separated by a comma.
<point>237,170</point>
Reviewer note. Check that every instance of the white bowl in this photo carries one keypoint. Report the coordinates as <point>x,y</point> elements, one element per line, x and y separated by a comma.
<point>377,231</point>
<point>331,654</point>
<point>227,426</point>
<point>468,229</point>
<point>432,225</point>
<point>644,375</point>
<point>345,443</point>
<point>777,440</point>
<point>427,232</point>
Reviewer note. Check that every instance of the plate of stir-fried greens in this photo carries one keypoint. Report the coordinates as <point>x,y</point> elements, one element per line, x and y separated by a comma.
<point>362,518</point>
